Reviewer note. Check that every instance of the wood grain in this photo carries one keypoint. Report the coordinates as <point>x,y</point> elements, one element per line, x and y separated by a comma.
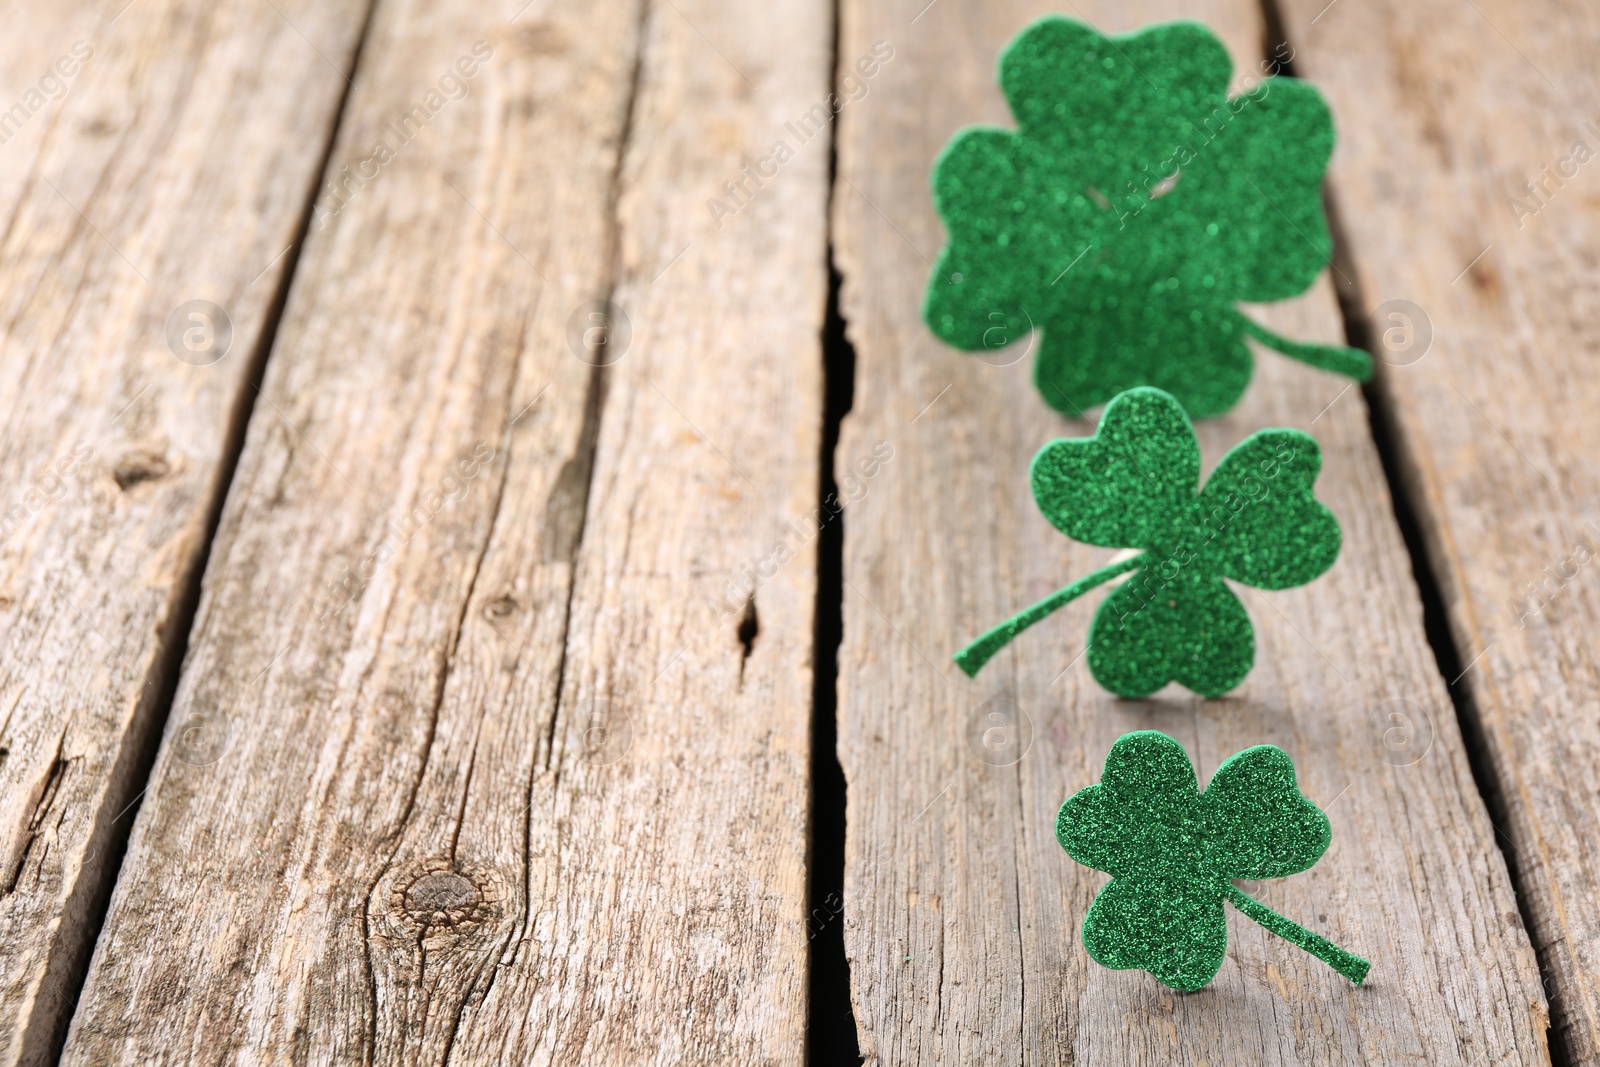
<point>668,924</point>
<point>148,157</point>
<point>961,909</point>
<point>1462,193</point>
<point>526,797</point>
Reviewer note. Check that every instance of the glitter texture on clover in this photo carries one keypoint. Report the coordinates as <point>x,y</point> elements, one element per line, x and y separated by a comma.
<point>1173,851</point>
<point>1135,484</point>
<point>1129,211</point>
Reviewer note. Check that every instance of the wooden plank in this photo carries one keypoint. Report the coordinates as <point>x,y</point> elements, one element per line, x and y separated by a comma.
<point>148,157</point>
<point>670,923</point>
<point>342,636</point>
<point>1464,192</point>
<point>526,797</point>
<point>962,912</point>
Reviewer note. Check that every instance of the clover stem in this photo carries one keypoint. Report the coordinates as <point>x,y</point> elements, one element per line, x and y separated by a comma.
<point>1351,362</point>
<point>972,658</point>
<point>1348,964</point>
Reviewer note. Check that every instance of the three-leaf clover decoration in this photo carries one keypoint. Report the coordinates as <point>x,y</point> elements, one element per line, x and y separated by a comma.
<point>1134,204</point>
<point>1171,851</point>
<point>1134,485</point>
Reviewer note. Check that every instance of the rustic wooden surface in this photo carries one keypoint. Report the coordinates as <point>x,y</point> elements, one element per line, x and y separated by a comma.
<point>961,910</point>
<point>492,742</point>
<point>167,158</point>
<point>1444,129</point>
<point>420,842</point>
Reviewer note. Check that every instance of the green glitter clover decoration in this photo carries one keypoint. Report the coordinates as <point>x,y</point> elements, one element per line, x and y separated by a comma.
<point>1172,851</point>
<point>1133,205</point>
<point>1133,485</point>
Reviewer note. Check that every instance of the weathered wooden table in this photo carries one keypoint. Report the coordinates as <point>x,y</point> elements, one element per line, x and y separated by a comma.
<point>393,673</point>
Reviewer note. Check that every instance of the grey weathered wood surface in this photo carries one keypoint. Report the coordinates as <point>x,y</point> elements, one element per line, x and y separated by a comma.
<point>522,776</point>
<point>167,160</point>
<point>961,910</point>
<point>418,843</point>
<point>1444,127</point>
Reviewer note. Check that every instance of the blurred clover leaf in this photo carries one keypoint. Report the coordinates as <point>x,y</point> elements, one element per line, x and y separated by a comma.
<point>1134,204</point>
<point>1171,851</point>
<point>1133,485</point>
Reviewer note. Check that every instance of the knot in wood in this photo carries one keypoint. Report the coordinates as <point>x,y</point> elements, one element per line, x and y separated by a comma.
<point>140,465</point>
<point>442,897</point>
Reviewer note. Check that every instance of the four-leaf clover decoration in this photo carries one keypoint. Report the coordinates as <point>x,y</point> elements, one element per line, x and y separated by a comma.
<point>1134,204</point>
<point>1172,851</point>
<point>1133,485</point>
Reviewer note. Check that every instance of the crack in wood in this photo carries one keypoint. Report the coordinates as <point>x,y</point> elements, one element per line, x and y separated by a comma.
<point>749,630</point>
<point>38,810</point>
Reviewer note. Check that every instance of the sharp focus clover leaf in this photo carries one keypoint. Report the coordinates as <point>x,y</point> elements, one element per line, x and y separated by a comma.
<point>1171,851</point>
<point>1133,205</point>
<point>1133,485</point>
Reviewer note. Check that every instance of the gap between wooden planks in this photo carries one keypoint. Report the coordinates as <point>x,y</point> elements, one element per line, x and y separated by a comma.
<point>516,790</point>
<point>151,156</point>
<point>1469,209</point>
<point>962,912</point>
